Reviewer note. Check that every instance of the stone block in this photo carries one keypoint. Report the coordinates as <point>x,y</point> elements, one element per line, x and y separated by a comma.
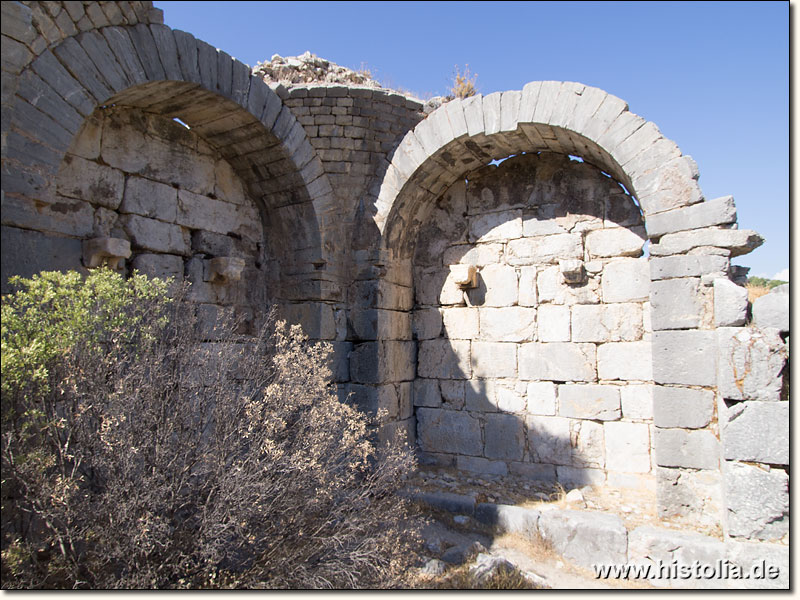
<point>606,322</point>
<point>444,359</point>
<point>426,393</point>
<point>627,447</point>
<point>757,501</point>
<point>549,440</point>
<point>448,431</point>
<point>628,361</point>
<point>585,538</point>
<point>494,359</point>
<point>510,399</point>
<point>626,280</point>
<point>703,214</point>
<point>455,503</point>
<point>542,398</point>
<point>163,266</point>
<point>557,361</point>
<point>682,407</point>
<point>580,476</point>
<point>637,401</point>
<point>89,181</point>
<point>554,323</point>
<point>65,215</point>
<point>586,439</point>
<point>684,357</point>
<point>730,303</point>
<point>615,241</point>
<point>460,323</point>
<point>201,212</point>
<point>511,324</point>
<point>150,199</point>
<point>382,362</point>
<point>497,287</point>
<point>378,324</point>
<point>156,236</point>
<point>509,519</point>
<point>452,393</point>
<point>689,449</point>
<point>668,267</point>
<point>475,464</point>
<point>505,437</point>
<point>757,432</point>
<point>426,323</point>
<point>598,402</point>
<point>676,304</point>
<point>339,361</point>
<point>26,253</point>
<point>315,318</point>
<point>527,286</point>
<point>750,363</point>
<point>772,310</point>
<point>533,471</point>
<point>506,225</point>
<point>399,432</point>
<point>689,494</point>
<point>750,556</point>
<point>553,289</point>
<point>737,241</point>
<point>481,395</point>
<point>545,249</point>
<point>479,255</point>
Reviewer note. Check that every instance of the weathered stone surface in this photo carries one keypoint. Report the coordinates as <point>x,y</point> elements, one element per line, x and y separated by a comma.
<point>26,253</point>
<point>159,265</point>
<point>545,249</point>
<point>553,323</point>
<point>444,359</point>
<point>772,310</point>
<point>703,214</point>
<point>676,303</point>
<point>426,323</point>
<point>494,359</point>
<point>315,318</point>
<point>685,357</point>
<point>156,236</point>
<point>373,400</point>
<point>738,241</point>
<point>627,447</point>
<point>512,324</point>
<point>586,439</point>
<point>599,402</point>
<point>626,280</point>
<point>682,407</point>
<point>586,538</point>
<point>460,323</point>
<point>541,398</point>
<point>749,556</point>
<point>606,322</point>
<point>454,503</point>
<point>452,393</point>
<point>549,439</point>
<point>750,363</point>
<point>637,401</point>
<point>668,267</point>
<point>757,501</point>
<point>506,225</point>
<point>374,324</point>
<point>690,449</point>
<point>426,393</point>
<point>89,181</point>
<point>476,464</point>
<point>508,519</point>
<point>510,399</point>
<point>694,494</point>
<point>730,303</point>
<point>479,255</point>
<point>553,289</point>
<point>580,476</point>
<point>757,432</point>
<point>498,286</point>
<point>615,242</point>
<point>505,437</point>
<point>65,215</point>
<point>557,361</point>
<point>625,360</point>
<point>448,431</point>
<point>150,199</point>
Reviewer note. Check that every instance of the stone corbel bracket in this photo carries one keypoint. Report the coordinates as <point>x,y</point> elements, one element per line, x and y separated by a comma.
<point>225,269</point>
<point>572,270</point>
<point>464,276</point>
<point>105,250</point>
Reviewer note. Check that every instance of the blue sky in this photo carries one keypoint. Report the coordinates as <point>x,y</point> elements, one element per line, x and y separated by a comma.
<point>714,76</point>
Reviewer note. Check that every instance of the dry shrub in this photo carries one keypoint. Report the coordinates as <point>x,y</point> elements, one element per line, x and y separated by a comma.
<point>144,459</point>
<point>756,291</point>
<point>460,578</point>
<point>463,83</point>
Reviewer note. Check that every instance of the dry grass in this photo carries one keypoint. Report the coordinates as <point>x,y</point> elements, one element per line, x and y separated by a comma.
<point>756,291</point>
<point>463,83</point>
<point>460,578</point>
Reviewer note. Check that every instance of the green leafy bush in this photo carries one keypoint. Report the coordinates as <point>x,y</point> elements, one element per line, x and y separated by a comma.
<point>134,456</point>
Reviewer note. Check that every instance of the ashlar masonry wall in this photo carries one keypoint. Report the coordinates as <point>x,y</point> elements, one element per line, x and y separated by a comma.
<point>543,369</point>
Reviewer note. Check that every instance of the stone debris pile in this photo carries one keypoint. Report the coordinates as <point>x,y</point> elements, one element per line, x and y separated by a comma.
<point>309,68</point>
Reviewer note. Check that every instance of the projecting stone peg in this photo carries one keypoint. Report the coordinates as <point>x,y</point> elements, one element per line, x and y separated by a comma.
<point>572,270</point>
<point>224,269</point>
<point>106,250</point>
<point>464,276</point>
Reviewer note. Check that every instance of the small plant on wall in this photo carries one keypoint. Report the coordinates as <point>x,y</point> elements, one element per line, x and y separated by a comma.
<point>463,83</point>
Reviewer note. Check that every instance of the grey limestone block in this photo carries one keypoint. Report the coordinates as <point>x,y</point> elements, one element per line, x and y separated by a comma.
<point>757,501</point>
<point>505,437</point>
<point>750,363</point>
<point>585,538</point>
<point>730,303</point>
<point>448,431</point>
<point>737,241</point>
<point>693,449</point>
<point>772,310</point>
<point>684,357</point>
<point>703,214</point>
<point>683,265</point>
<point>676,303</point>
<point>682,407</point>
<point>757,432</point>
<point>597,402</point>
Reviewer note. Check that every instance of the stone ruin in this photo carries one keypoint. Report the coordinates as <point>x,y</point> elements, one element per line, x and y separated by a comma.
<point>528,283</point>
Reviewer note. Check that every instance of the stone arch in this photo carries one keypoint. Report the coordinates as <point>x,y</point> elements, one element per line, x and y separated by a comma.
<point>155,69</point>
